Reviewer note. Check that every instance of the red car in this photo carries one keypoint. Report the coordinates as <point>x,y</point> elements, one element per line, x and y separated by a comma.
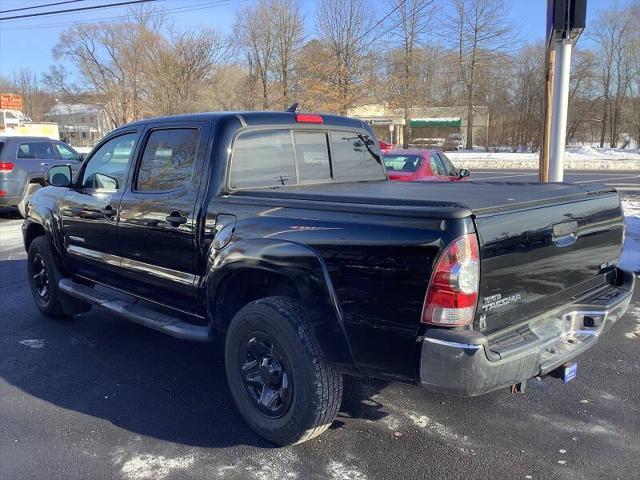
<point>385,146</point>
<point>421,166</point>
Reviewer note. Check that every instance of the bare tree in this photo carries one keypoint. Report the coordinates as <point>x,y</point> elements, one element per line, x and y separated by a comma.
<point>344,27</point>
<point>479,28</point>
<point>255,37</point>
<point>107,57</point>
<point>409,25</point>
<point>178,69</point>
<point>36,100</point>
<point>611,33</point>
<point>286,20</point>
<point>527,96</point>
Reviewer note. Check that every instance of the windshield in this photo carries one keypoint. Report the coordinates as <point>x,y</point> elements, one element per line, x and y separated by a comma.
<point>402,163</point>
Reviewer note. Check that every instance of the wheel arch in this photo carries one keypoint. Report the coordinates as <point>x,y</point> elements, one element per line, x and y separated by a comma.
<point>285,269</point>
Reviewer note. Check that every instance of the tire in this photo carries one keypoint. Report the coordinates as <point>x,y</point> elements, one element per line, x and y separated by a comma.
<point>310,389</point>
<point>22,206</point>
<point>44,286</point>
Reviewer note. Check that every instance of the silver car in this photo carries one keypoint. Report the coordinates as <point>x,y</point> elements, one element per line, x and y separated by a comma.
<point>23,164</point>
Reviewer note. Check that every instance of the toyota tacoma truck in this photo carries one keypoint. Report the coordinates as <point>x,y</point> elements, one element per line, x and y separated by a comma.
<point>280,233</point>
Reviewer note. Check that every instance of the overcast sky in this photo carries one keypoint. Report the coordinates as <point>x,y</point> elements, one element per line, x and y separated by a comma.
<point>28,42</point>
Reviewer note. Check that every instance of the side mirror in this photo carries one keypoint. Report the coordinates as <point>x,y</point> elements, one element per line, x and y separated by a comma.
<point>463,172</point>
<point>59,176</point>
<point>82,157</point>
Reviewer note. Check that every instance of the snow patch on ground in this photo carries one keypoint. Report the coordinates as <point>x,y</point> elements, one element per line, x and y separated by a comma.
<point>401,418</point>
<point>630,259</point>
<point>153,467</point>
<point>338,471</point>
<point>635,333</point>
<point>575,158</point>
<point>33,343</point>
<point>280,464</point>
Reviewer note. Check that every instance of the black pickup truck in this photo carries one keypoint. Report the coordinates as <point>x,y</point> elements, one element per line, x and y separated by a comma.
<point>280,233</point>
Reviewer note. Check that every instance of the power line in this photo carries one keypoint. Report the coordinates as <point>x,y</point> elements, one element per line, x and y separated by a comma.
<point>377,37</point>
<point>40,6</point>
<point>379,22</point>
<point>79,9</point>
<point>176,10</point>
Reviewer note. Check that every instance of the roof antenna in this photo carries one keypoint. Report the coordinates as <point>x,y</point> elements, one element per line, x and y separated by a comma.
<point>293,108</point>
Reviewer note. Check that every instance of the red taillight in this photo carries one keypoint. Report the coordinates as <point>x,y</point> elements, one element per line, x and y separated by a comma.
<point>6,166</point>
<point>2,193</point>
<point>452,295</point>
<point>308,118</point>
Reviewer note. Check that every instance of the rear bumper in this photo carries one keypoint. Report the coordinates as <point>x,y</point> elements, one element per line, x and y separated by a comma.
<point>467,363</point>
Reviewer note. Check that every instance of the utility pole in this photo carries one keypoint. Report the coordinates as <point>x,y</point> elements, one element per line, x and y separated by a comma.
<point>565,22</point>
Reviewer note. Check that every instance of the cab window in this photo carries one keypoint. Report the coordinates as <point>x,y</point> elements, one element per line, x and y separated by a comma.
<point>353,157</point>
<point>312,155</point>
<point>107,167</point>
<point>263,159</point>
<point>168,160</point>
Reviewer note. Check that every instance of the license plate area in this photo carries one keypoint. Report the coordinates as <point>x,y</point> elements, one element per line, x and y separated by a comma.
<point>566,372</point>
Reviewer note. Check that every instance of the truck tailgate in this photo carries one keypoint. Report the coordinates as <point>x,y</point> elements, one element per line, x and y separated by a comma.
<point>536,258</point>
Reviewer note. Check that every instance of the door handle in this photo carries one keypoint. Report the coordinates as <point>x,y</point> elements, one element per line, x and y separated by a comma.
<point>176,219</point>
<point>108,211</point>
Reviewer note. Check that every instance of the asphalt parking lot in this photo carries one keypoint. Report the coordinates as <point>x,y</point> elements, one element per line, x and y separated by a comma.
<point>98,397</point>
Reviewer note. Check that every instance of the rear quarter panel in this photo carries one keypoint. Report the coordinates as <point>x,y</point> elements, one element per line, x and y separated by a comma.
<point>379,266</point>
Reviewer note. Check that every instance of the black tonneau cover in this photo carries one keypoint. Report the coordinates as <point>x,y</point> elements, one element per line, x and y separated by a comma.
<point>481,198</point>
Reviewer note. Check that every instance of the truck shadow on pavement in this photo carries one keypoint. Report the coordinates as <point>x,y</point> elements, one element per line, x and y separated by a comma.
<point>137,379</point>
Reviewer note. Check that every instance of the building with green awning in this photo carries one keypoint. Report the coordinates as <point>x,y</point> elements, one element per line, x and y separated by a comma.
<point>428,125</point>
<point>436,122</point>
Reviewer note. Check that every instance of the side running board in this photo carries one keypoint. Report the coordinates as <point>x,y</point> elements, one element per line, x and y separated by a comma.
<point>137,313</point>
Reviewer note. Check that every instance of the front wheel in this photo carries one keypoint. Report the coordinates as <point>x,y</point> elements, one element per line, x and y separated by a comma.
<point>44,277</point>
<point>281,382</point>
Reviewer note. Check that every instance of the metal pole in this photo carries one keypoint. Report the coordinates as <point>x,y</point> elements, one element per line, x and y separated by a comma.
<point>560,106</point>
<point>543,171</point>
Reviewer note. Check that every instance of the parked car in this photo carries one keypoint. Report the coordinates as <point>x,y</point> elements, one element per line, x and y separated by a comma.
<point>454,141</point>
<point>422,165</point>
<point>284,237</point>
<point>385,146</point>
<point>23,164</point>
<point>426,143</point>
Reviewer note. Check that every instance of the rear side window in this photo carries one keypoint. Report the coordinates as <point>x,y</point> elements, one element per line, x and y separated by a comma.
<point>263,159</point>
<point>168,160</point>
<point>37,150</point>
<point>312,155</point>
<point>354,158</point>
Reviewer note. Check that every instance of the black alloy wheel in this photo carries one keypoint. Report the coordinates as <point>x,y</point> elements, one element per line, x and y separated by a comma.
<point>40,277</point>
<point>266,375</point>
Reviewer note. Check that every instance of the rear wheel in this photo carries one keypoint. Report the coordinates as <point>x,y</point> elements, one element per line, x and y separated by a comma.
<point>44,277</point>
<point>281,382</point>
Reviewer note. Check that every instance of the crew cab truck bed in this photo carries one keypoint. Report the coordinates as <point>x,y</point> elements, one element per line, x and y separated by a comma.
<point>281,233</point>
